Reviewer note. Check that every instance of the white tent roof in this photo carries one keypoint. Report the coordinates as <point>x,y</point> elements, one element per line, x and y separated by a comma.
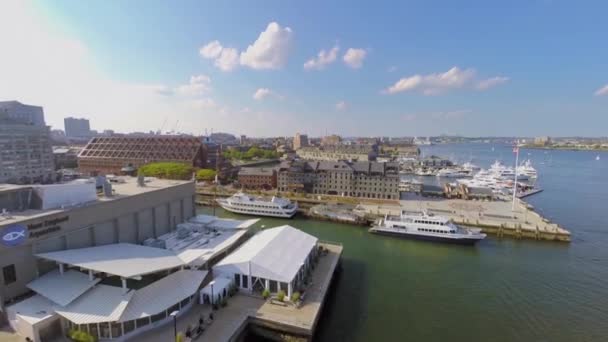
<point>275,253</point>
<point>101,304</point>
<point>62,289</point>
<point>121,259</point>
<point>163,294</point>
<point>32,310</point>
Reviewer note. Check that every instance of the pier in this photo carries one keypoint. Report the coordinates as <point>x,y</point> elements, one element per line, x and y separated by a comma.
<point>495,218</point>
<point>492,217</point>
<point>246,311</point>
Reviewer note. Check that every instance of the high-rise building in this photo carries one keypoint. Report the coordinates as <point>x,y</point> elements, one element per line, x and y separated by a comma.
<point>26,155</point>
<point>77,128</point>
<point>299,141</point>
<point>23,113</point>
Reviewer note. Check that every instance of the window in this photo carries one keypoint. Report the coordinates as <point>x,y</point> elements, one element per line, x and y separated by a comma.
<point>10,274</point>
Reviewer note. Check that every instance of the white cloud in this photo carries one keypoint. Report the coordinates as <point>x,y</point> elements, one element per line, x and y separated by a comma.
<point>198,85</point>
<point>270,50</point>
<point>341,106</point>
<point>602,91</point>
<point>323,58</point>
<point>438,83</point>
<point>354,57</point>
<point>262,93</point>
<point>228,59</point>
<point>491,82</point>
<point>225,59</point>
<point>211,50</point>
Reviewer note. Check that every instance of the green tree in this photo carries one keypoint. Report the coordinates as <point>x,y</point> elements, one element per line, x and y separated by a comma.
<point>167,170</point>
<point>205,175</point>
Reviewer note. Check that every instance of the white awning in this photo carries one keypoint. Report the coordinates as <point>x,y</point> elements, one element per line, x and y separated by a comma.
<point>121,259</point>
<point>101,304</point>
<point>62,288</point>
<point>31,310</point>
<point>276,254</point>
<point>163,294</point>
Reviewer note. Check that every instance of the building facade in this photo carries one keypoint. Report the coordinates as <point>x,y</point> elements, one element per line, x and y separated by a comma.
<point>77,128</point>
<point>26,114</point>
<point>258,178</point>
<point>109,155</point>
<point>299,141</point>
<point>339,152</point>
<point>133,214</point>
<point>354,179</point>
<point>26,155</point>
<point>331,140</point>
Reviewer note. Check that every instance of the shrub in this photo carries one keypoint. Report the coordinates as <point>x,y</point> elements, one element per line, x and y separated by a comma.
<point>295,296</point>
<point>205,175</point>
<point>266,293</point>
<point>281,295</point>
<point>179,338</point>
<point>167,170</point>
<point>81,336</point>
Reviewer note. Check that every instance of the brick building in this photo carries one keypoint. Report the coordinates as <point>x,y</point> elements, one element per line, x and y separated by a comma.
<point>108,155</point>
<point>355,179</point>
<point>258,178</point>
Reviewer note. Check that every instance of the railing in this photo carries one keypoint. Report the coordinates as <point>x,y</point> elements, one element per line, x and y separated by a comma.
<point>330,242</point>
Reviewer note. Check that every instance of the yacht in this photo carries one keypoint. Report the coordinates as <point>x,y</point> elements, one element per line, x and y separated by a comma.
<point>471,167</point>
<point>453,173</point>
<point>527,169</point>
<point>241,203</point>
<point>424,226</point>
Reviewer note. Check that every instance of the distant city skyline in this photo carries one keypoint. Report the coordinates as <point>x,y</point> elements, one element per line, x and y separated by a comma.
<point>524,68</point>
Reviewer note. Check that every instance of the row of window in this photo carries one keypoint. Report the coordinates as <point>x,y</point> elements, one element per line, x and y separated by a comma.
<point>435,231</point>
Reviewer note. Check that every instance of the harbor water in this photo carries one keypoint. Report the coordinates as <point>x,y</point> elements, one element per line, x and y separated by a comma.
<point>500,290</point>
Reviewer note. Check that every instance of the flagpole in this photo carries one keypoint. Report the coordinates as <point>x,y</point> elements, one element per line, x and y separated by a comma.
<point>516,149</point>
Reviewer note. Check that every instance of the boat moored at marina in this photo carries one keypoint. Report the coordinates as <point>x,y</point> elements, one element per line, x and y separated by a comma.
<point>424,226</point>
<point>242,203</point>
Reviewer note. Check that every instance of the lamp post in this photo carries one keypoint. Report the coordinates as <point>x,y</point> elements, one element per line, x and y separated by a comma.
<point>174,315</point>
<point>212,298</point>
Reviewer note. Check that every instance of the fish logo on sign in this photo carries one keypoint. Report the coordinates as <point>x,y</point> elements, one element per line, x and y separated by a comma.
<point>14,235</point>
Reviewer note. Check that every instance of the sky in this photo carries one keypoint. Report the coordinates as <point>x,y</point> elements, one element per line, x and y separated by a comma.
<point>274,68</point>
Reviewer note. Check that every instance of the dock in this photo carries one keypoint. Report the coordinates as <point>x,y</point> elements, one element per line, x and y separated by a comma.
<point>495,217</point>
<point>250,312</point>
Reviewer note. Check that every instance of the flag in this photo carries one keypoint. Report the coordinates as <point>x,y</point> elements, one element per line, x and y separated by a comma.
<point>516,149</point>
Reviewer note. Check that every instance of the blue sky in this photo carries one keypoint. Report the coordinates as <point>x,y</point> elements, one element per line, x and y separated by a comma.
<point>414,68</point>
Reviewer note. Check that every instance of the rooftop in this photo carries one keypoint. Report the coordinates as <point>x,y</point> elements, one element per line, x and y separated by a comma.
<point>122,259</point>
<point>62,289</point>
<point>125,187</point>
<point>164,293</point>
<point>275,253</point>
<point>101,304</point>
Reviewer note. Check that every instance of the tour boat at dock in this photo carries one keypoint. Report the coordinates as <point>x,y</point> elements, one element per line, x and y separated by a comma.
<point>424,226</point>
<point>241,203</point>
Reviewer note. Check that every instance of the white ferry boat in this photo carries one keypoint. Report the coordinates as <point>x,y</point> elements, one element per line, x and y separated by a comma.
<point>241,203</point>
<point>423,226</point>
